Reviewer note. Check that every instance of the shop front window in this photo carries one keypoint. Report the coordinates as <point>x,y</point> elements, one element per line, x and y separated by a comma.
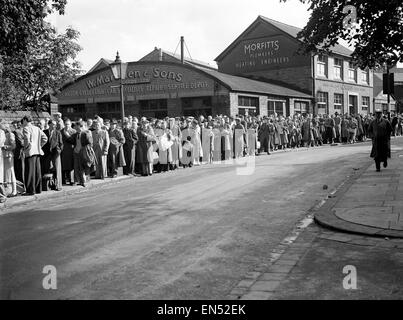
<point>156,108</point>
<point>301,107</point>
<point>197,106</point>
<point>275,107</point>
<point>249,105</point>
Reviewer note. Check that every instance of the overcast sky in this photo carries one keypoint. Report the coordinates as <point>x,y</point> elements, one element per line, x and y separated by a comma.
<point>135,27</point>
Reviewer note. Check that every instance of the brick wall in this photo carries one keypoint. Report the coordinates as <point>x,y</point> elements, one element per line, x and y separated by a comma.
<point>295,77</point>
<point>10,116</point>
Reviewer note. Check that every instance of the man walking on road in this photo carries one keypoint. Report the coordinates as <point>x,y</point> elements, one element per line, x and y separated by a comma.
<point>380,130</point>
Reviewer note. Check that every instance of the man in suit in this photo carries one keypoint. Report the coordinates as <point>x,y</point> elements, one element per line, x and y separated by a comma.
<point>101,147</point>
<point>34,140</point>
<point>264,136</point>
<point>129,148</point>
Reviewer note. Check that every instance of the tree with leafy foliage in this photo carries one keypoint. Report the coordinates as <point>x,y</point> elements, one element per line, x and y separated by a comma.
<point>377,33</point>
<point>47,65</point>
<point>23,21</point>
<point>44,62</point>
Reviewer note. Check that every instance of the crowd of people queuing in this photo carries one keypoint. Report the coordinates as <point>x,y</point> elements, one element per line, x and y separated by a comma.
<point>59,152</point>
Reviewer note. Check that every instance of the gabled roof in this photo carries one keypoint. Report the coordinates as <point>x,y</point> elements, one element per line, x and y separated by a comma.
<point>156,53</point>
<point>233,83</point>
<point>102,63</point>
<point>383,97</point>
<point>283,27</point>
<point>241,84</point>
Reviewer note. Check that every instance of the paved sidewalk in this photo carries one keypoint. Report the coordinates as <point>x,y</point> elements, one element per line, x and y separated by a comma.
<point>371,203</point>
<point>66,190</point>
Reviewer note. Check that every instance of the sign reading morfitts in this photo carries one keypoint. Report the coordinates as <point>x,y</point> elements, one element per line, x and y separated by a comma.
<point>141,79</point>
<point>262,54</point>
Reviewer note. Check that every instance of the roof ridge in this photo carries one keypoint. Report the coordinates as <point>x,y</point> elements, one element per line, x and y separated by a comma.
<point>286,24</point>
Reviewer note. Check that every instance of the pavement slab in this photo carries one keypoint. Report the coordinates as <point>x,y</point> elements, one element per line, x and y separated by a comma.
<point>370,203</point>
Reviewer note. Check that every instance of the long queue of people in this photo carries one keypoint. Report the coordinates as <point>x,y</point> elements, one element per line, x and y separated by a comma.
<point>59,152</point>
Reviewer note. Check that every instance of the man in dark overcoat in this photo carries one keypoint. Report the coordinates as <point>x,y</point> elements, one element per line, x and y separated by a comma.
<point>380,130</point>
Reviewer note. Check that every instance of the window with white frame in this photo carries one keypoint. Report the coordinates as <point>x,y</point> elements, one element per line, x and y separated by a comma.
<point>322,66</point>
<point>352,72</point>
<point>365,76</point>
<point>338,101</point>
<point>338,68</point>
<point>365,103</point>
<point>322,100</point>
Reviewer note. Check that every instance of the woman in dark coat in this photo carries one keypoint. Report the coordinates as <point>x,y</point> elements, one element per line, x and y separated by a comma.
<point>67,153</point>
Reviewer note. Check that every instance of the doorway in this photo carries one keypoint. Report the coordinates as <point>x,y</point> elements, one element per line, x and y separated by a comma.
<point>352,104</point>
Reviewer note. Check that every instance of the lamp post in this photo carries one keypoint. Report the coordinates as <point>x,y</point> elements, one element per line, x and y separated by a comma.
<point>119,72</point>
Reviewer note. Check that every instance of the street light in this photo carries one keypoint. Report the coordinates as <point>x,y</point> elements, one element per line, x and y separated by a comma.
<point>119,73</point>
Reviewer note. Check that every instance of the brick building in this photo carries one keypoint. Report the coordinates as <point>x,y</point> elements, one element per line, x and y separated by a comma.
<point>159,85</point>
<point>266,51</point>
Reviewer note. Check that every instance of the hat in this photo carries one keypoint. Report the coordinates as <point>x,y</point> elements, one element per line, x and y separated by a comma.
<point>114,122</point>
<point>378,109</point>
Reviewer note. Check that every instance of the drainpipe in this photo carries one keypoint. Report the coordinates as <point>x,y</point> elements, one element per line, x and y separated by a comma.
<point>313,83</point>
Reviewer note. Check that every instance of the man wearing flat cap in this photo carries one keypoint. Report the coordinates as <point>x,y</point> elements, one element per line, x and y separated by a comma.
<point>380,130</point>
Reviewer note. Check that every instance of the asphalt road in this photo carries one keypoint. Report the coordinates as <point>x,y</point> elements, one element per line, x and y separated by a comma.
<point>188,234</point>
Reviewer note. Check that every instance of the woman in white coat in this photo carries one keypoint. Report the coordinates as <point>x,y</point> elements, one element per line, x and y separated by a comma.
<point>207,143</point>
<point>2,142</point>
<point>8,159</point>
<point>196,141</point>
